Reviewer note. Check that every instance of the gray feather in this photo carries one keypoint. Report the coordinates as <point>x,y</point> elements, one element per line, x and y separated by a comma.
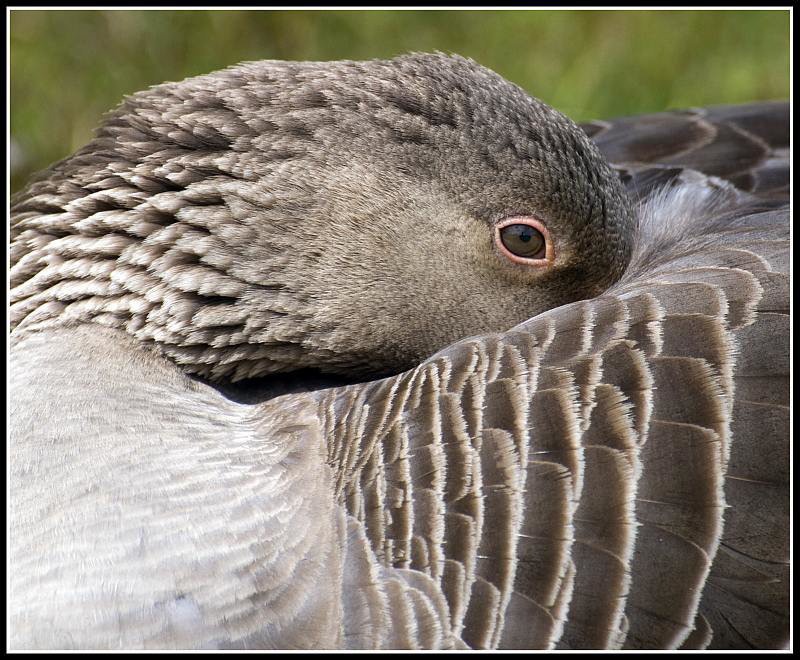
<point>593,455</point>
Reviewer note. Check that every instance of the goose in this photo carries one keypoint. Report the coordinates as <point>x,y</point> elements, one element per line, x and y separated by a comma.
<point>388,354</point>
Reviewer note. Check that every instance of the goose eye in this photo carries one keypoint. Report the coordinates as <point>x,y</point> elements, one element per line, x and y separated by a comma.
<point>524,241</point>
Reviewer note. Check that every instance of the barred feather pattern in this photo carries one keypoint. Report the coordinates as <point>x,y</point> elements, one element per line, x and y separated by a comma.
<point>613,473</point>
<point>158,264</point>
<point>589,478</point>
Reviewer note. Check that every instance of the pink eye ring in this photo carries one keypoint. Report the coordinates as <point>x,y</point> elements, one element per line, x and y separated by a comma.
<point>524,240</point>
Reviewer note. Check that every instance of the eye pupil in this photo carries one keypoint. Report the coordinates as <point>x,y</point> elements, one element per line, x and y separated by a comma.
<point>523,241</point>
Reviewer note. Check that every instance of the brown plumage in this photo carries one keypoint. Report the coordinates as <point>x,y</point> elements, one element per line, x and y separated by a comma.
<point>603,464</point>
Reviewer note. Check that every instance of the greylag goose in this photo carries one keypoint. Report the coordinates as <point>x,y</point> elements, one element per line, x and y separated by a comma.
<point>386,355</point>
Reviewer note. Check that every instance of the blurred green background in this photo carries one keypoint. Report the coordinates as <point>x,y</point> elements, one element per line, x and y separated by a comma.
<point>69,67</point>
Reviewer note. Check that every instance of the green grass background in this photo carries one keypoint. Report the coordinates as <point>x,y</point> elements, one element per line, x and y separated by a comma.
<point>69,67</point>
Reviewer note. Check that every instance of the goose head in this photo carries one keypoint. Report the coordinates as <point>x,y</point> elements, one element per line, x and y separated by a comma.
<point>353,217</point>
